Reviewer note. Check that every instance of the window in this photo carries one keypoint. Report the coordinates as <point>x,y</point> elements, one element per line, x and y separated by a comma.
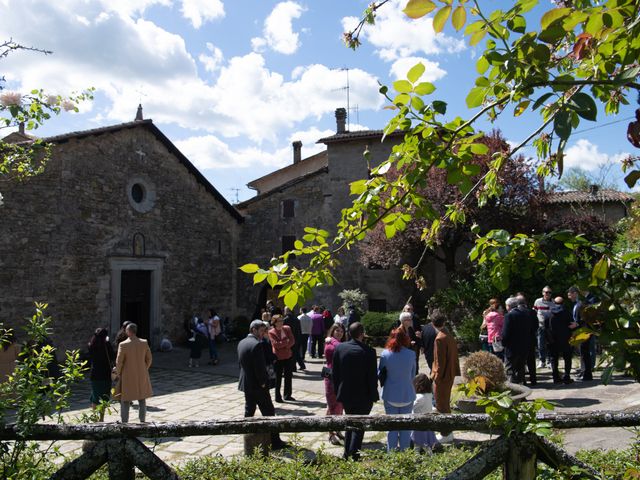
<point>377,305</point>
<point>137,193</point>
<point>287,242</point>
<point>288,208</point>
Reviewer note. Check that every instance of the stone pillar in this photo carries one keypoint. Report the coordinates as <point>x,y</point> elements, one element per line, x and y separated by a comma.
<point>341,120</point>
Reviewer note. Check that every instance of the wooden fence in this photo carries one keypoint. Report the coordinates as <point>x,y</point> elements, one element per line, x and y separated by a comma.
<point>118,446</point>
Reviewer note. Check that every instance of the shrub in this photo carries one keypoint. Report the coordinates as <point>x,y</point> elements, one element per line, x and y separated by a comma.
<point>37,390</point>
<point>487,365</point>
<point>378,324</point>
<point>353,297</point>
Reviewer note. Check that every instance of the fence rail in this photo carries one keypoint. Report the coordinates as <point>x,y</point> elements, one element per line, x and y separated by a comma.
<point>117,444</point>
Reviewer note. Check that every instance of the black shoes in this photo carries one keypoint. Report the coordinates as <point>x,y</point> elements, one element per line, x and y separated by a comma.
<point>289,398</point>
<point>279,400</point>
<point>279,445</point>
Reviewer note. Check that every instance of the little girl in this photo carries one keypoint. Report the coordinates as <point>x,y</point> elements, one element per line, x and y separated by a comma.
<point>423,439</point>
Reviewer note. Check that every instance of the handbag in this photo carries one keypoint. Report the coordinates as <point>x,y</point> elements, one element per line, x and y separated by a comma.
<point>497,346</point>
<point>271,373</point>
<point>326,372</point>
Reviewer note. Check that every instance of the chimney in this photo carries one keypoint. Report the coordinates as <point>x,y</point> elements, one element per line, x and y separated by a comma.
<point>297,151</point>
<point>341,120</point>
<point>593,189</point>
<point>21,128</point>
<point>139,113</point>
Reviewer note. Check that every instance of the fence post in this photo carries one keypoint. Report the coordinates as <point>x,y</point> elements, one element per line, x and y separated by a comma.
<point>521,458</point>
<point>120,465</point>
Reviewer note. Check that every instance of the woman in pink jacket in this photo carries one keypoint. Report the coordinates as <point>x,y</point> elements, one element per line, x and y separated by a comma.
<point>282,341</point>
<point>334,407</point>
<point>493,321</point>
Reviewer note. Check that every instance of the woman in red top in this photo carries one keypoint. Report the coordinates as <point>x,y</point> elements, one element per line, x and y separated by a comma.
<point>282,341</point>
<point>334,407</point>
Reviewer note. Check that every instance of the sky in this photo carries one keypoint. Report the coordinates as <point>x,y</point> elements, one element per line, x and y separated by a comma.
<point>234,83</point>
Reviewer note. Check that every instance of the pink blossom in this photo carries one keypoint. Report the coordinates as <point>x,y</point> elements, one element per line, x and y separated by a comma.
<point>8,99</point>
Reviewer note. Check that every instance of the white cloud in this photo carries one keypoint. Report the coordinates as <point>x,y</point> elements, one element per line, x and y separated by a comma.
<point>278,29</point>
<point>586,155</point>
<point>395,35</point>
<point>213,61</point>
<point>432,71</point>
<point>201,11</point>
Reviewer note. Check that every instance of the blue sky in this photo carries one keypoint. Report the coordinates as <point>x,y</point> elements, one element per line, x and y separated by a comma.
<point>233,83</point>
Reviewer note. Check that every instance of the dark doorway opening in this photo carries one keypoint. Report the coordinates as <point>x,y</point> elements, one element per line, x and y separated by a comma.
<point>135,299</point>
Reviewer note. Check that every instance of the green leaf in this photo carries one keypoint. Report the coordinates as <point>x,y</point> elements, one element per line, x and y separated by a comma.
<point>521,108</point>
<point>553,15</point>
<point>249,268</point>
<point>475,97</point>
<point>415,73</point>
<point>600,271</point>
<point>272,279</point>
<point>587,108</point>
<point>424,88</point>
<point>459,18</point>
<point>418,8</point>
<point>389,231</point>
<point>440,18</point>
<point>541,100</point>
<point>298,245</point>
<point>627,257</point>
<point>291,299</point>
<point>562,124</point>
<point>476,37</point>
<point>517,24</point>
<point>607,375</point>
<point>482,65</point>
<point>402,86</point>
<point>479,148</point>
<point>439,106</point>
<point>259,278</point>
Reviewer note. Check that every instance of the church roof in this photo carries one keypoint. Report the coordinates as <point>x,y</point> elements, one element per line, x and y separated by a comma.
<point>292,170</point>
<point>597,196</point>
<point>162,138</point>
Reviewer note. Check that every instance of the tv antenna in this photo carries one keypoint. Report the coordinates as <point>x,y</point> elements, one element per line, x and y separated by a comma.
<point>236,190</point>
<point>347,88</point>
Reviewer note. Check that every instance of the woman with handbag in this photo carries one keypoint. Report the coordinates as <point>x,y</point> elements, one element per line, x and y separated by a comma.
<point>102,358</point>
<point>334,407</point>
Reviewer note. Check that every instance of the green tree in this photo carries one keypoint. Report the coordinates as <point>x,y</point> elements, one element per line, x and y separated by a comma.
<point>577,178</point>
<point>579,57</point>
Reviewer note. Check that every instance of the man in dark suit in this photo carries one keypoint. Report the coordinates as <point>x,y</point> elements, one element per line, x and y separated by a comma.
<point>355,383</point>
<point>254,380</point>
<point>516,338</point>
<point>558,329</point>
<point>533,338</point>
<point>586,374</point>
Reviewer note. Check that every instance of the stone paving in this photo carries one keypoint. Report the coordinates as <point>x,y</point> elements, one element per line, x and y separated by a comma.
<point>210,392</point>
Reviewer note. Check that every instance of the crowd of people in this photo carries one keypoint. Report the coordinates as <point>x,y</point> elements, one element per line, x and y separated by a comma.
<point>279,342</point>
<point>523,333</point>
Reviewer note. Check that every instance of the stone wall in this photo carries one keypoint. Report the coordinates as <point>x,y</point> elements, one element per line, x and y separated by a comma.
<point>62,230</point>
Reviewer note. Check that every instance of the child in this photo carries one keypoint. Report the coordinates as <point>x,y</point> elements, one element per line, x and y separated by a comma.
<point>423,439</point>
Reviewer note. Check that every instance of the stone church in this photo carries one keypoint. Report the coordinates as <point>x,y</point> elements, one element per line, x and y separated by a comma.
<point>121,226</point>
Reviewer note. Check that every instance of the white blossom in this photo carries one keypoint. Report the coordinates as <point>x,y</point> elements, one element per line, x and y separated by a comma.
<point>8,99</point>
<point>53,100</point>
<point>68,105</point>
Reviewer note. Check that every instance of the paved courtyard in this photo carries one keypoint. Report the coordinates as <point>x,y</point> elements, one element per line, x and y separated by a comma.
<point>210,392</point>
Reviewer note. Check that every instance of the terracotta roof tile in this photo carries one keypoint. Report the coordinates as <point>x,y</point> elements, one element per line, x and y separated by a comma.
<point>600,196</point>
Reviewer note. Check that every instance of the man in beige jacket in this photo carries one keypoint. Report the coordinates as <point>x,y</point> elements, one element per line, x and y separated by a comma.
<point>132,366</point>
